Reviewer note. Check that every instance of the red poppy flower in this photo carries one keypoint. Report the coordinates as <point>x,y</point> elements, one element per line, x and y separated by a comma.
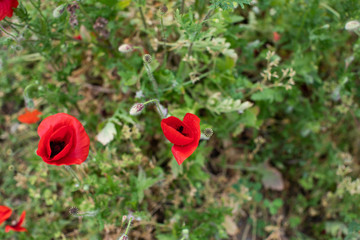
<point>78,37</point>
<point>185,135</point>
<point>17,227</point>
<point>276,37</point>
<point>63,140</point>
<point>5,213</point>
<point>29,117</point>
<point>6,8</point>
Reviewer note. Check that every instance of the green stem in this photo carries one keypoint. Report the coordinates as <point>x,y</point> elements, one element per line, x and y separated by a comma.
<point>84,12</point>
<point>6,32</point>
<point>40,12</point>
<point>197,32</point>
<point>163,39</point>
<point>157,106</point>
<point>128,226</point>
<point>142,17</point>
<point>73,173</point>
<point>151,77</point>
<point>12,26</point>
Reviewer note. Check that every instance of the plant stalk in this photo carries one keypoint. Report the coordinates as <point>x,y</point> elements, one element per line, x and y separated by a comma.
<point>197,33</point>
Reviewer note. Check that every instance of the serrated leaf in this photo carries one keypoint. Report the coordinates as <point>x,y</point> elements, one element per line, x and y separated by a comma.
<point>228,4</point>
<point>144,183</point>
<point>107,134</point>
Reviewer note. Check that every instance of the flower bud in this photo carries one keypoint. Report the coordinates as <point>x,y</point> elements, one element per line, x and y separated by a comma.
<point>73,211</point>
<point>147,58</point>
<point>352,25</point>
<point>208,132</point>
<point>163,9</point>
<point>123,218</point>
<point>136,109</point>
<point>59,10</point>
<point>125,48</point>
<point>123,237</point>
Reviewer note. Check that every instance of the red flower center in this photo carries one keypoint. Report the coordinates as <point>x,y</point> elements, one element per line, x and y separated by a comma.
<point>56,147</point>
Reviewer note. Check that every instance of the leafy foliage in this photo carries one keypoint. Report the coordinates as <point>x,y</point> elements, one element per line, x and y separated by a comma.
<point>228,4</point>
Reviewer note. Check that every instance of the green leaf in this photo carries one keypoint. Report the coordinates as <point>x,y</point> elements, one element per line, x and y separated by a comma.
<point>144,183</point>
<point>268,94</point>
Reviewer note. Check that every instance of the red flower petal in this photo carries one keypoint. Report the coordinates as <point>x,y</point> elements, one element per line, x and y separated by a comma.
<point>182,148</point>
<point>78,37</point>
<point>176,131</point>
<point>63,140</point>
<point>6,8</point>
<point>5,213</point>
<point>17,227</point>
<point>276,37</point>
<point>29,117</point>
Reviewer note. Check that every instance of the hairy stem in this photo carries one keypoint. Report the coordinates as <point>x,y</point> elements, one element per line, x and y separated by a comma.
<point>142,17</point>
<point>128,226</point>
<point>151,77</point>
<point>73,173</point>
<point>7,33</point>
<point>197,33</point>
<point>157,103</point>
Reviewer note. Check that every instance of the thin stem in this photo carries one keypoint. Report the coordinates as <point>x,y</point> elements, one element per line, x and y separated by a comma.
<point>142,17</point>
<point>73,173</point>
<point>182,6</point>
<point>196,33</point>
<point>6,32</point>
<point>157,103</point>
<point>12,26</point>
<point>163,39</point>
<point>29,103</point>
<point>128,226</point>
<point>40,12</point>
<point>84,12</point>
<point>151,77</point>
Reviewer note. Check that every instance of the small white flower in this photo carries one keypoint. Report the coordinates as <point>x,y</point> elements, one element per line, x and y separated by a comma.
<point>272,12</point>
<point>139,94</point>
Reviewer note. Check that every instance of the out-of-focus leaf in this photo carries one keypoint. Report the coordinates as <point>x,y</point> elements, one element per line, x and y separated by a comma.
<point>107,134</point>
<point>271,177</point>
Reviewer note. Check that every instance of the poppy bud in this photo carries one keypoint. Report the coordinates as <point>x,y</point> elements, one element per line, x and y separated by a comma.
<point>123,218</point>
<point>352,25</point>
<point>124,237</point>
<point>73,211</point>
<point>136,109</point>
<point>147,58</point>
<point>125,48</point>
<point>59,11</point>
<point>163,9</point>
<point>72,8</point>
<point>208,132</point>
